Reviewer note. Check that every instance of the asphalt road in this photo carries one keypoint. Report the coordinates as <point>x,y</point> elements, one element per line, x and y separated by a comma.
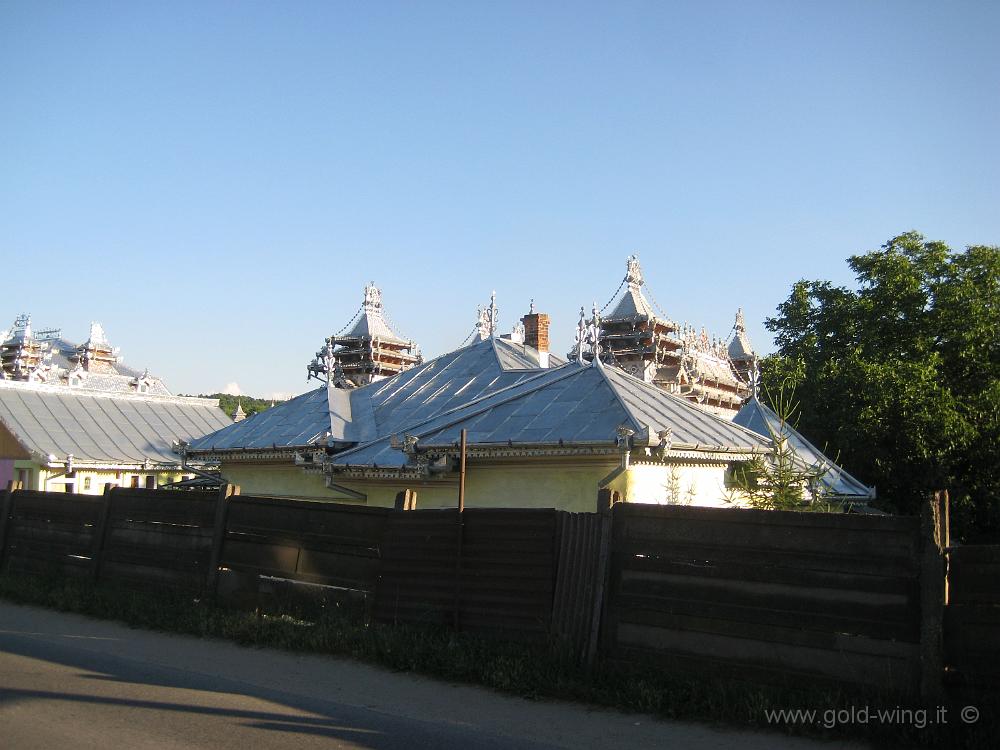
<point>71,682</point>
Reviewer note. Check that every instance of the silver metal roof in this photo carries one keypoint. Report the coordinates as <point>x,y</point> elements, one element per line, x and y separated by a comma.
<point>297,422</point>
<point>632,305</point>
<point>494,389</point>
<point>103,428</point>
<point>385,406</point>
<point>764,421</point>
<point>571,405</point>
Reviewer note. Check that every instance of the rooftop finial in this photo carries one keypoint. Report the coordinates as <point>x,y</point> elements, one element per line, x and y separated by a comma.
<point>594,336</point>
<point>741,325</point>
<point>494,314</point>
<point>754,377</point>
<point>581,335</point>
<point>633,272</point>
<point>97,335</point>
<point>487,319</point>
<point>531,307</point>
<point>373,298</point>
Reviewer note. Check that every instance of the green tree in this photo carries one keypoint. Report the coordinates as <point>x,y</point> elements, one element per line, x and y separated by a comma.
<point>228,403</point>
<point>781,480</point>
<point>901,376</point>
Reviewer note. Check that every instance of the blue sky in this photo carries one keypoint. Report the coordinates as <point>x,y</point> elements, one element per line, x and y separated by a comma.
<point>215,182</point>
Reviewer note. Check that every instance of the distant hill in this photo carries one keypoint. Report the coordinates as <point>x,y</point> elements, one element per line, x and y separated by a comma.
<point>250,405</point>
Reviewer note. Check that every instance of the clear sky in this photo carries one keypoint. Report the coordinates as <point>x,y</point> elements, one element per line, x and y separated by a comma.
<point>215,182</point>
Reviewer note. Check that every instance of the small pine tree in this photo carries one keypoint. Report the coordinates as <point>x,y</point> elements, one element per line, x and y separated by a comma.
<point>781,480</point>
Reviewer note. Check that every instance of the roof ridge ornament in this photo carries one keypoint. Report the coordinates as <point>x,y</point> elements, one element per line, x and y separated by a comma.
<point>754,378</point>
<point>594,336</point>
<point>633,271</point>
<point>581,335</point>
<point>488,319</point>
<point>373,298</point>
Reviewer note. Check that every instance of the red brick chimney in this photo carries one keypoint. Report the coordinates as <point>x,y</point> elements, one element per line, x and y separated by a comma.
<point>536,334</point>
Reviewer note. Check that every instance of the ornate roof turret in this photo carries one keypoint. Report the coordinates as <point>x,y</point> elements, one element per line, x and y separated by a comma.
<point>740,348</point>
<point>633,305</point>
<point>24,356</point>
<point>96,354</point>
<point>44,356</point>
<point>370,350</point>
<point>239,415</point>
<point>640,339</point>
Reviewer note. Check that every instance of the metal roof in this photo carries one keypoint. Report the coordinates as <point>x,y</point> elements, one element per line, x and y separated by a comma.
<point>385,406</point>
<point>371,324</point>
<point>494,389</point>
<point>764,421</point>
<point>569,405</point>
<point>632,305</point>
<point>297,422</point>
<point>103,428</point>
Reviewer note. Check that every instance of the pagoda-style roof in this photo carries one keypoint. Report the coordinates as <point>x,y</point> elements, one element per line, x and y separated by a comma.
<point>369,350</point>
<point>371,323</point>
<point>633,305</point>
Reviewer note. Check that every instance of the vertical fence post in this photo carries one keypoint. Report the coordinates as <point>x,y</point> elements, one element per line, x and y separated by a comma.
<point>460,531</point>
<point>406,500</point>
<point>101,532</point>
<point>605,507</point>
<point>933,542</point>
<point>226,492</point>
<point>6,508</point>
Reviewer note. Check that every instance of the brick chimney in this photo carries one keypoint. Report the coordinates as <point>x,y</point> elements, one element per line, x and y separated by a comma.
<point>536,334</point>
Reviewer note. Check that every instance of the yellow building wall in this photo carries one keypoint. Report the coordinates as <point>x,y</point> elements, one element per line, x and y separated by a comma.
<point>570,486</point>
<point>567,485</point>
<point>278,481</point>
<point>92,481</point>
<point>678,484</point>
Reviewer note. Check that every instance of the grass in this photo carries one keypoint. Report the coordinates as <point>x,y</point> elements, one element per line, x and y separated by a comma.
<point>533,671</point>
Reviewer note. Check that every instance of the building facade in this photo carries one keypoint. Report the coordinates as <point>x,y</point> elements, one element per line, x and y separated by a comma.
<point>542,432</point>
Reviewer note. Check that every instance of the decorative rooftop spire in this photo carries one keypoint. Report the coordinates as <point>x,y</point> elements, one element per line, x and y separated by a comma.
<point>594,332</point>
<point>97,336</point>
<point>239,415</point>
<point>487,319</point>
<point>754,378</point>
<point>373,298</point>
<point>740,326</point>
<point>633,272</point>
<point>581,335</point>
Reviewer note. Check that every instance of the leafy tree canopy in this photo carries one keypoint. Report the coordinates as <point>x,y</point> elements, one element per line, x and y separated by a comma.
<point>900,378</point>
<point>250,405</point>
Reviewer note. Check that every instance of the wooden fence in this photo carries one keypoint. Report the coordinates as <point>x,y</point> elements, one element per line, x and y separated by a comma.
<point>759,595</point>
<point>972,616</point>
<point>779,596</point>
<point>486,570</point>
